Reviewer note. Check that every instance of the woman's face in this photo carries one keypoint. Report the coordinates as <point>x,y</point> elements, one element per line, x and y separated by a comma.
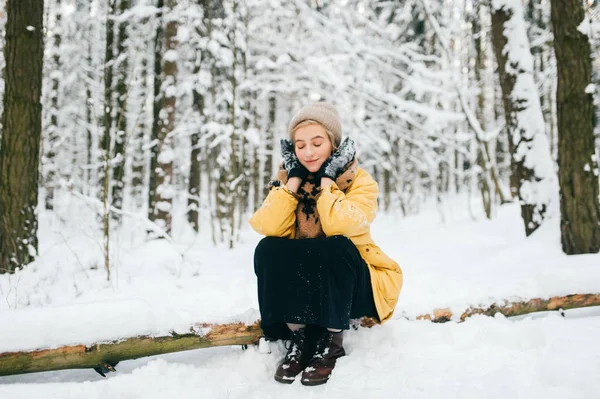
<point>312,146</point>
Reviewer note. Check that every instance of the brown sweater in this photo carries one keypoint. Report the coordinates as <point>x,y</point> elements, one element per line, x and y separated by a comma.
<point>308,224</point>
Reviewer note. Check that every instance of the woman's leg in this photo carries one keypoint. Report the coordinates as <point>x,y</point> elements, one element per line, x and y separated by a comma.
<point>309,281</point>
<point>321,281</point>
<point>349,294</point>
<point>275,271</point>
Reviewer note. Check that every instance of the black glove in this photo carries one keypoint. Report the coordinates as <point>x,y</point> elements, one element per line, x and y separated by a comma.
<point>336,163</point>
<point>290,162</point>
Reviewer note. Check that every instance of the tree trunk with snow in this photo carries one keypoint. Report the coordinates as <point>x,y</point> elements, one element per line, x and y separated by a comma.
<point>577,160</point>
<point>122,63</point>
<point>518,308</point>
<point>156,121</point>
<point>138,164</point>
<point>268,145</point>
<point>21,133</point>
<point>533,176</point>
<point>162,188</point>
<point>106,143</point>
<point>110,353</point>
<point>90,118</point>
<point>482,149</point>
<point>49,166</point>
<point>235,170</point>
<point>195,161</point>
<point>246,106</point>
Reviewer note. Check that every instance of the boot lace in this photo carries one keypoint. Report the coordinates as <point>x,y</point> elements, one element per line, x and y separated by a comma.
<point>294,351</point>
<point>323,346</point>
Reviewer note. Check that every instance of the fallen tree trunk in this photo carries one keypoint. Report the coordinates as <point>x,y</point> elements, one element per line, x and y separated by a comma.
<point>509,309</point>
<point>102,356</point>
<point>105,355</point>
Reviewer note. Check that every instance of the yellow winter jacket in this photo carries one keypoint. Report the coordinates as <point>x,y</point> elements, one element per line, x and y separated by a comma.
<point>349,214</point>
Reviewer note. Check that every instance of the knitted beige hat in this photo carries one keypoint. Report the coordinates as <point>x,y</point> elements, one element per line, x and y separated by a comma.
<point>321,112</point>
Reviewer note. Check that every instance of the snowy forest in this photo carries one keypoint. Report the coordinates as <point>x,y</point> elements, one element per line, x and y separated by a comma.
<point>156,109</point>
<point>155,124</point>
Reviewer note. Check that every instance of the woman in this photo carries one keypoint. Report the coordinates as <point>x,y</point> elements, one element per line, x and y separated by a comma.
<point>318,266</point>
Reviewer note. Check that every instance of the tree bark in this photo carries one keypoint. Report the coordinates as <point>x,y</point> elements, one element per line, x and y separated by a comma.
<point>164,120</point>
<point>82,356</point>
<point>138,166</point>
<point>269,145</point>
<point>22,127</point>
<point>49,160</point>
<point>195,179</point>
<point>256,172</point>
<point>387,186</point>
<point>532,169</point>
<point>484,176</point>
<point>121,113</point>
<point>90,119</point>
<point>195,161</point>
<point>509,309</point>
<point>578,164</point>
<point>156,122</point>
<point>235,143</point>
<point>106,147</point>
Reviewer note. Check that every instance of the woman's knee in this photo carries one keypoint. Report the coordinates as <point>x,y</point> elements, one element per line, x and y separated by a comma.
<point>267,247</point>
<point>342,246</point>
<point>341,241</point>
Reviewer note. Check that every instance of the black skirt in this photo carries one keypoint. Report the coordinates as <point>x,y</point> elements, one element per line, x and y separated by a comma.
<point>316,281</point>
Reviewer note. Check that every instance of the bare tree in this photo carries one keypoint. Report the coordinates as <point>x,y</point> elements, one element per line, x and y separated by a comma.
<point>269,142</point>
<point>109,59</point>
<point>162,188</point>
<point>485,184</point>
<point>578,163</point>
<point>198,101</point>
<point>52,131</point>
<point>120,111</point>
<point>22,126</point>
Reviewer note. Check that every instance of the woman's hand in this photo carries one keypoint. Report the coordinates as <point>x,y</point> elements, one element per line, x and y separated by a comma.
<point>326,182</point>
<point>335,164</point>
<point>290,162</point>
<point>293,184</point>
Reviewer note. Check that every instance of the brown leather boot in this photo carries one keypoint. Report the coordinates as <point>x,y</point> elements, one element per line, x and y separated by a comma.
<point>295,359</point>
<point>329,349</point>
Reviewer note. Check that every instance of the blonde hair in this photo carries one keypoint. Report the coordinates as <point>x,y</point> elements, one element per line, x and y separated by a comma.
<point>309,122</point>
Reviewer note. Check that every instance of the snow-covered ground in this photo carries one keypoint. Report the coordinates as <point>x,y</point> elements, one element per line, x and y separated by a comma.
<point>64,299</point>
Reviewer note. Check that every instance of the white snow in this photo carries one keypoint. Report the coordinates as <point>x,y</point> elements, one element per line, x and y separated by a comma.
<point>63,298</point>
<point>590,89</point>
<point>585,27</point>
<point>171,56</point>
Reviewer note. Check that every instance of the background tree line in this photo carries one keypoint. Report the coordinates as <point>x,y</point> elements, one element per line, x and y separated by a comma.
<point>159,108</point>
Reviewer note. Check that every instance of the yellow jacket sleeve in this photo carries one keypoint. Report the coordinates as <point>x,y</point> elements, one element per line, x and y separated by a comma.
<point>349,214</point>
<point>277,215</point>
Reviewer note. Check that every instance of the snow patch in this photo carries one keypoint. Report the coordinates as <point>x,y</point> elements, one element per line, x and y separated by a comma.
<point>585,27</point>
<point>590,89</point>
